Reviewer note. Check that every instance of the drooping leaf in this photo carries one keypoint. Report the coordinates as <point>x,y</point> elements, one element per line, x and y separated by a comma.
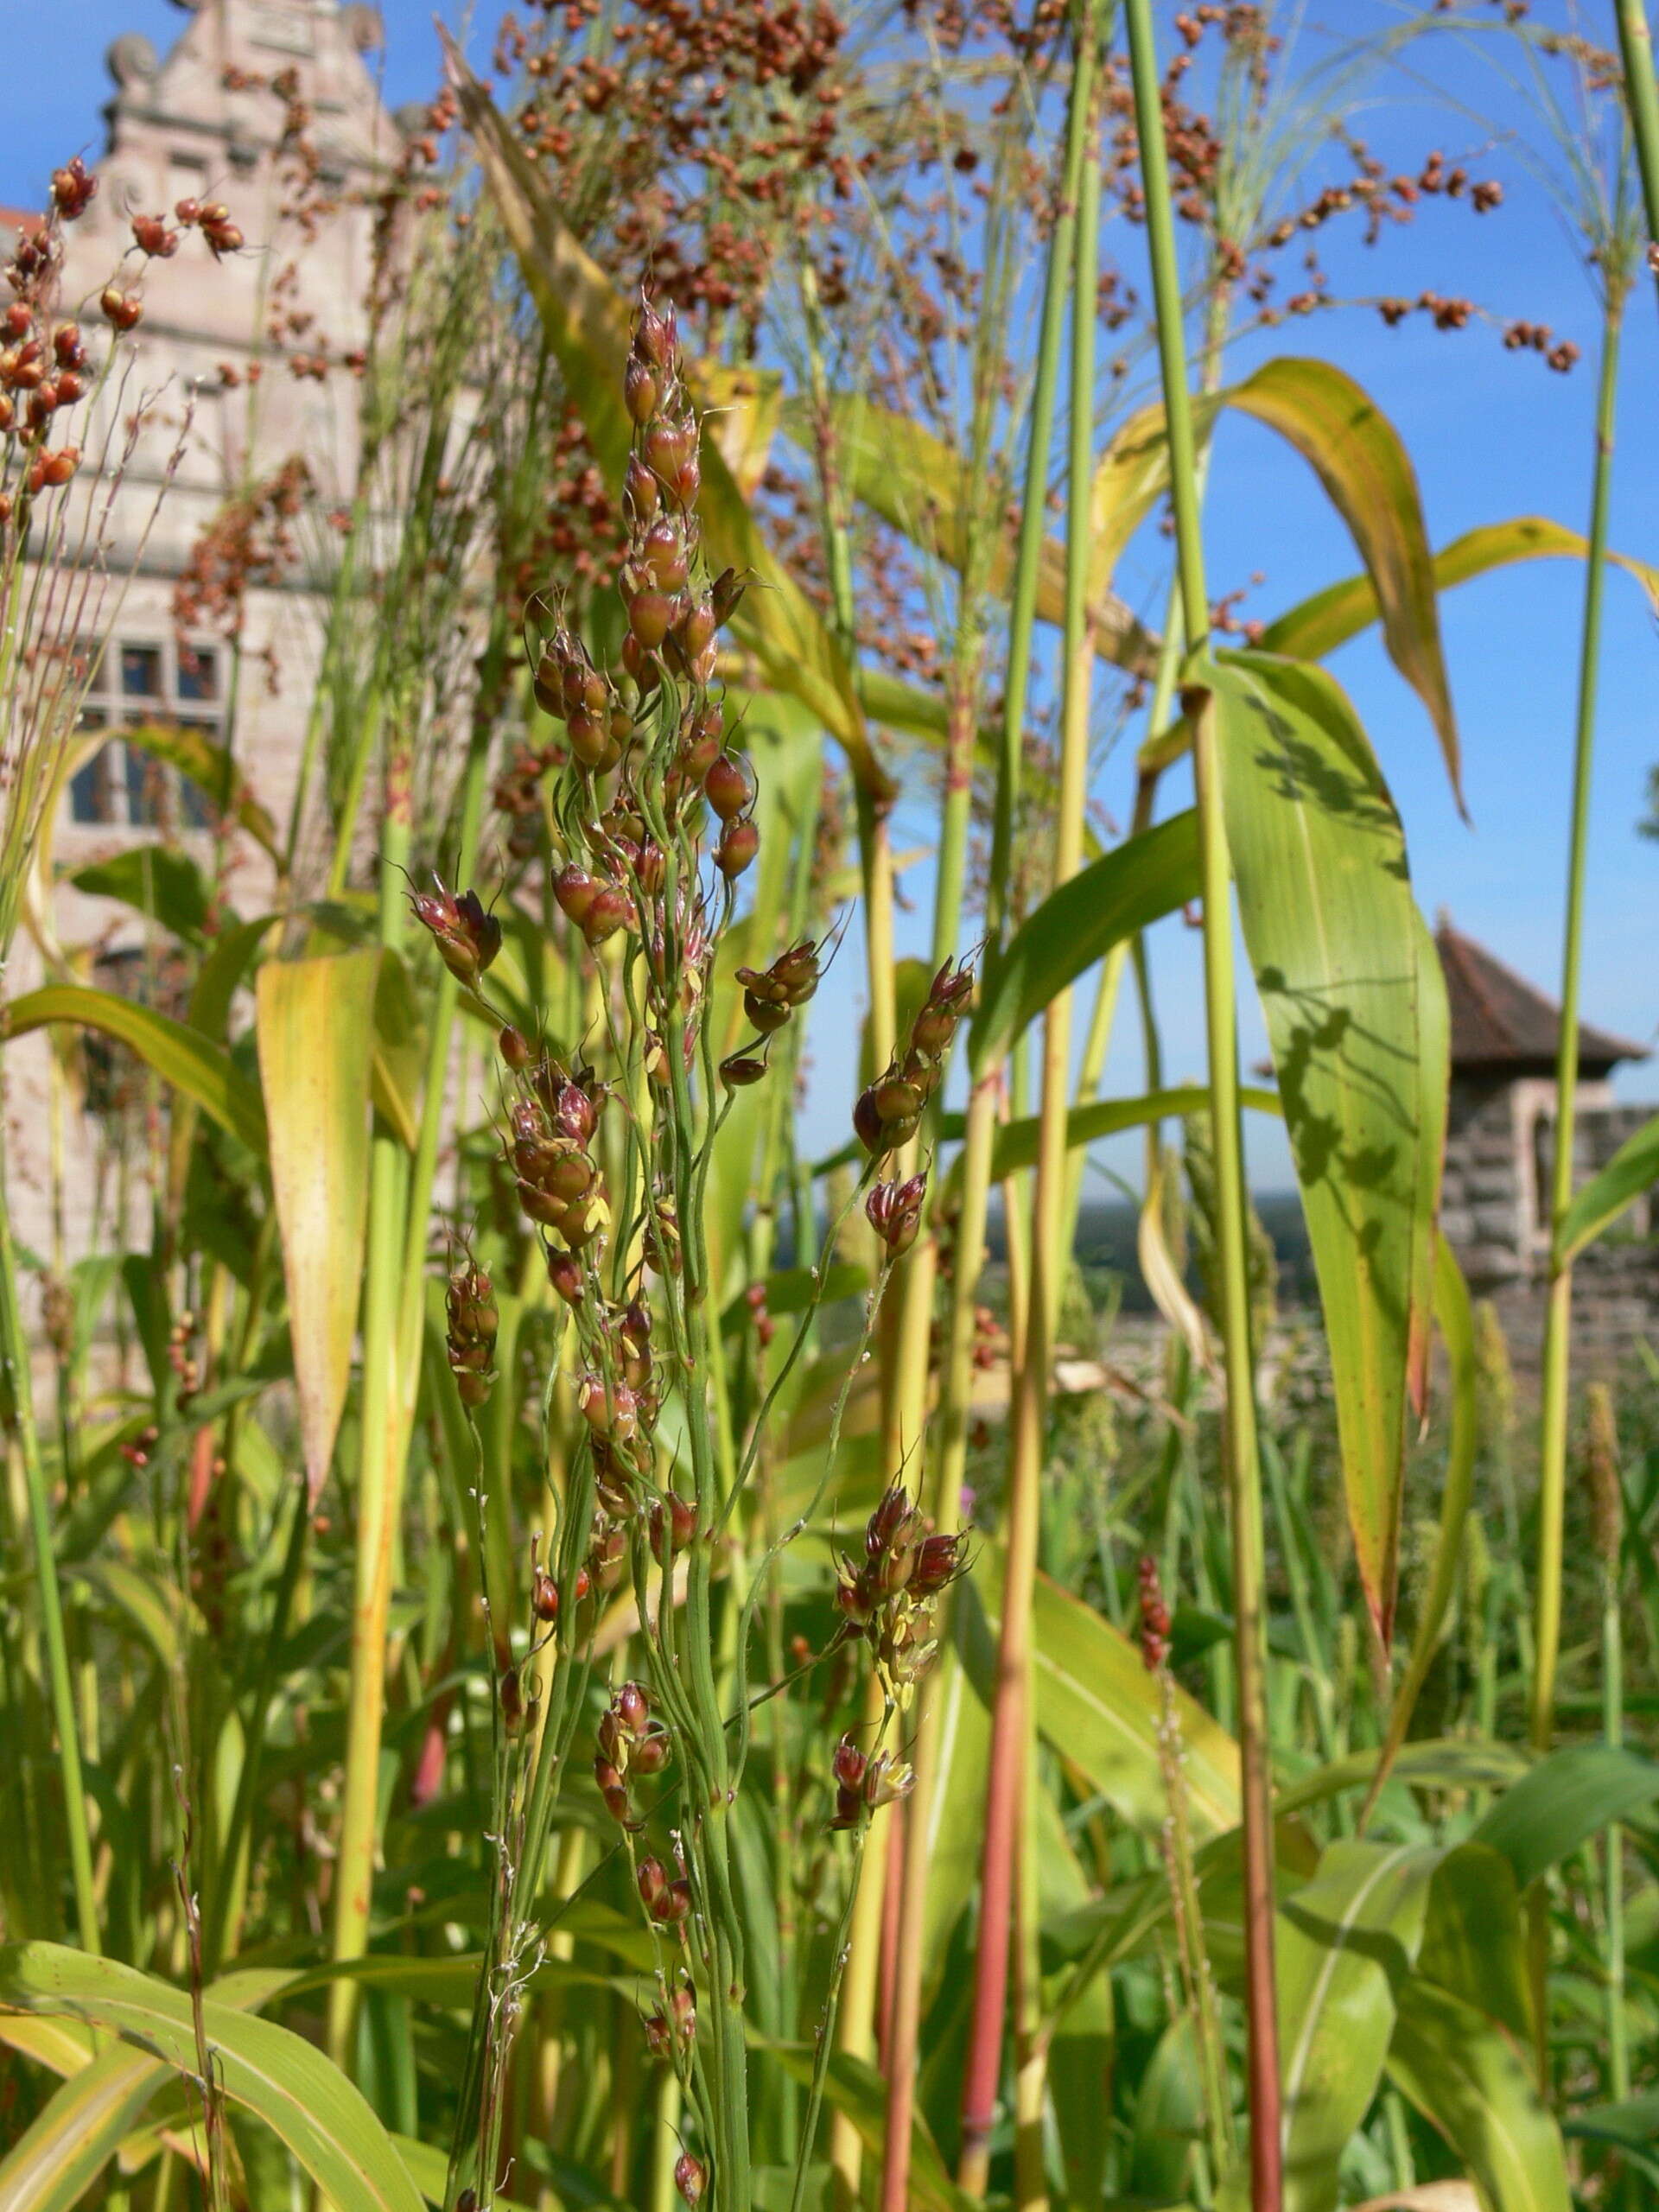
<point>953,1852</point>
<point>1365,468</point>
<point>1564,1801</point>
<point>1631,2125</point>
<point>158,881</point>
<point>1471,2082</point>
<point>307,2102</point>
<point>1359,1045</point>
<point>1361,460</point>
<point>1633,1169</point>
<point>1457,1322</point>
<point>1168,2115</point>
<point>745,405</point>
<point>181,1056</point>
<point>1160,1269</point>
<point>1344,1941</point>
<point>428,2169</point>
<point>1015,1144</point>
<point>315,1026</point>
<point>586,320</point>
<point>1435,1762</point>
<point>920,484</point>
<point>1473,1943</point>
<point>223,972</point>
<point>1100,1710</point>
<point>398,1059</point>
<point>1149,875</point>
<point>104,2098</point>
<point>194,754</point>
<point>1317,626</point>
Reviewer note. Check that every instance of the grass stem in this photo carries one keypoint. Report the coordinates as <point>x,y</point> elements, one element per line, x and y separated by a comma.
<point>1242,1461</point>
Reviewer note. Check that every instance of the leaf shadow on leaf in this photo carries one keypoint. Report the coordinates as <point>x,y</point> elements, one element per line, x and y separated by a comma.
<point>1380,1946</point>
<point>1306,777</point>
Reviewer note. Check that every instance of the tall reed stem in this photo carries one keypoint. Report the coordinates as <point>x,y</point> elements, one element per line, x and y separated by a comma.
<point>19,1389</point>
<point>1551,1475</point>
<point>378,1495</point>
<point>1641,99</point>
<point>1613,1709</point>
<point>1558,1323</point>
<point>1004,1789</point>
<point>1243,1466</point>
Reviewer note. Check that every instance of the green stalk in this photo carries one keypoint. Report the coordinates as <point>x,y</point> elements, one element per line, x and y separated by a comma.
<point>853,2020</point>
<point>379,1488</point>
<point>1243,1467</point>
<point>1552,1476</point>
<point>224,1899</point>
<point>1613,1708</point>
<point>19,1391</point>
<point>1007,1778</point>
<point>1641,99</point>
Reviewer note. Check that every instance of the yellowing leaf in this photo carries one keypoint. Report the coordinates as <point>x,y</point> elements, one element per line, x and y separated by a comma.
<point>181,1055</point>
<point>1318,625</point>
<point>1362,461</point>
<point>309,2104</point>
<point>315,1027</point>
<point>194,754</point>
<point>922,485</point>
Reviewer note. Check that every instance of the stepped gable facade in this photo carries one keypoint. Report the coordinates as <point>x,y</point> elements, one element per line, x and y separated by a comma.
<point>249,357</point>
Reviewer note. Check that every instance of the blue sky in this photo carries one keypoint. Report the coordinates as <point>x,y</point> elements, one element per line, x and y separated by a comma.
<point>1492,435</point>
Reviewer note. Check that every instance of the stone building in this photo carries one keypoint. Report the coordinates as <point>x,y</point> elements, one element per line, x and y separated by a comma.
<point>218,343</point>
<point>1500,1152</point>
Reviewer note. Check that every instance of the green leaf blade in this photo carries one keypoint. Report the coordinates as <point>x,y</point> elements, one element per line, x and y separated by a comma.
<point>1355,1014</point>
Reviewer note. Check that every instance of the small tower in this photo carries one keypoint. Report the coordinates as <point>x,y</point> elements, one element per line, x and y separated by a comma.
<point>1500,1132</point>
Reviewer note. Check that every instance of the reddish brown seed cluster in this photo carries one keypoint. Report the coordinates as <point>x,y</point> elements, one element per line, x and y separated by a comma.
<point>629,1743</point>
<point>677,2024</point>
<point>467,937</point>
<point>545,1590</point>
<point>771,997</point>
<point>554,1121</point>
<point>667,1900</point>
<point>894,1213</point>
<point>889,1113</point>
<point>889,1596</point>
<point>863,1786</point>
<point>73,190</point>
<point>469,1308</point>
<point>1155,1614</point>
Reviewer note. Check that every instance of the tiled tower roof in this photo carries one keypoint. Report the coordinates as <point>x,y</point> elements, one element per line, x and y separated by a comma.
<point>1501,1022</point>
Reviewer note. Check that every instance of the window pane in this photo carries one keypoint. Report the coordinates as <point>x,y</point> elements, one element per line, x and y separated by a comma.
<point>91,791</point>
<point>198,672</point>
<point>140,671</point>
<point>146,791</point>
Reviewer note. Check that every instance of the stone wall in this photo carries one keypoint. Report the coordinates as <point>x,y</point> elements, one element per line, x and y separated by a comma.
<point>1494,1207</point>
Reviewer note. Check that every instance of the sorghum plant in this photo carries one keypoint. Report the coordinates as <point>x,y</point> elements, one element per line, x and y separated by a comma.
<point>652,808</point>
